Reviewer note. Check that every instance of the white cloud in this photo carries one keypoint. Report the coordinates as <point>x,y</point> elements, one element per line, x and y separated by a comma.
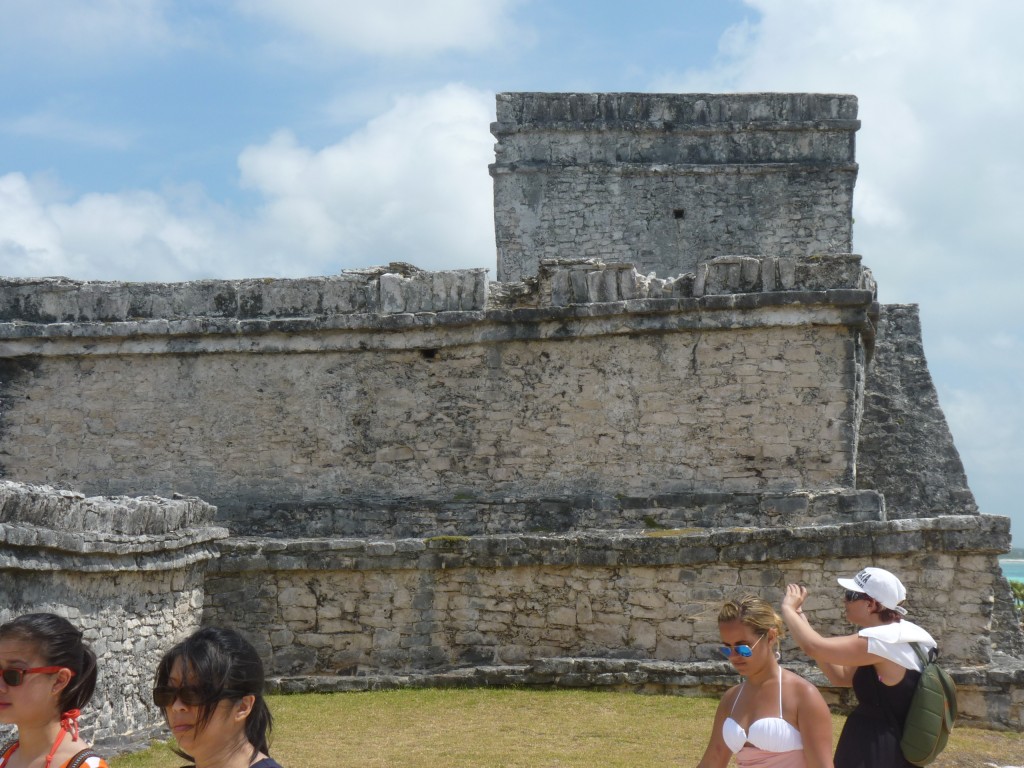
<point>71,28</point>
<point>412,185</point>
<point>29,239</point>
<point>989,428</point>
<point>133,236</point>
<point>50,124</point>
<point>391,27</point>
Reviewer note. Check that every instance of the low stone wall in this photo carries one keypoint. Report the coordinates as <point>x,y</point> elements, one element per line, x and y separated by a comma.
<point>128,572</point>
<point>398,288</point>
<point>328,607</point>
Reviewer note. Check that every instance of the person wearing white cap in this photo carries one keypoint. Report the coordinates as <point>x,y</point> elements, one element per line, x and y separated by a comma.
<point>878,662</point>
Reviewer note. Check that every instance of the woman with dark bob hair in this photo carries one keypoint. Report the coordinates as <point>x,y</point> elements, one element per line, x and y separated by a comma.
<point>210,688</point>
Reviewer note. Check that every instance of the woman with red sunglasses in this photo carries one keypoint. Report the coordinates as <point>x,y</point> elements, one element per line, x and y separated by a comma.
<point>210,689</point>
<point>878,661</point>
<point>774,718</point>
<point>47,674</point>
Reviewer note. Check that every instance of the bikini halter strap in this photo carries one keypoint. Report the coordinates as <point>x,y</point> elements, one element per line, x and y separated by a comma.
<point>68,724</point>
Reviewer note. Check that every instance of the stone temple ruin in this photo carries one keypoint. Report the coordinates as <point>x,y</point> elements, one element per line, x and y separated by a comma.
<point>680,388</point>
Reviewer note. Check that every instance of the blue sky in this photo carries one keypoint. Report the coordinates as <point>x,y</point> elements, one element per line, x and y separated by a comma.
<point>159,140</point>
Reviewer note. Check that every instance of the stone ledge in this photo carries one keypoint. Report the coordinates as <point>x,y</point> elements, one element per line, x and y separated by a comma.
<point>706,678</point>
<point>48,529</point>
<point>74,513</point>
<point>681,167</point>
<point>672,111</point>
<point>107,560</point>
<point>93,543</point>
<point>404,297</point>
<point>17,328</point>
<point>397,288</point>
<point>362,516</point>
<point>433,331</point>
<point>983,534</point>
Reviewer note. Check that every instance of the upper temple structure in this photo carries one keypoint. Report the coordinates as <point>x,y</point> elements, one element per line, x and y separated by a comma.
<point>667,183</point>
<point>681,388</point>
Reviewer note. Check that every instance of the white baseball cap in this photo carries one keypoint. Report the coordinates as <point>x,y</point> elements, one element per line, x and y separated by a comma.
<point>881,585</point>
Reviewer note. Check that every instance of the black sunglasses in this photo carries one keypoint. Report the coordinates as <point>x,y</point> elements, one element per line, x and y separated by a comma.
<point>852,596</point>
<point>189,695</point>
<point>15,677</point>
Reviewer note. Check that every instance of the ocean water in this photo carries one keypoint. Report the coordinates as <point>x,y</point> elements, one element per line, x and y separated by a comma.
<point>1012,569</point>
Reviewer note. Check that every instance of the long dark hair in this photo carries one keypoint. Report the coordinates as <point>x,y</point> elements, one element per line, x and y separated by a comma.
<point>222,665</point>
<point>60,644</point>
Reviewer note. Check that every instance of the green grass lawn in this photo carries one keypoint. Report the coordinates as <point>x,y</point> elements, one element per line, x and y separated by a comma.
<point>492,728</point>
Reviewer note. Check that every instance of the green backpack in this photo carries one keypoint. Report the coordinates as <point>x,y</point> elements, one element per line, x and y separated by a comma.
<point>932,712</point>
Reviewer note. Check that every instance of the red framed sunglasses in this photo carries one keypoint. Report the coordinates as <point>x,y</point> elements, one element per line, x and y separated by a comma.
<point>14,677</point>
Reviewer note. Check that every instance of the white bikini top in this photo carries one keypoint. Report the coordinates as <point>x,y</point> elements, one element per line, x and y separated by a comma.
<point>772,734</point>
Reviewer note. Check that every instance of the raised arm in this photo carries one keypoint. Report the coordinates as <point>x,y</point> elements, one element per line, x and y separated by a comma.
<point>837,657</point>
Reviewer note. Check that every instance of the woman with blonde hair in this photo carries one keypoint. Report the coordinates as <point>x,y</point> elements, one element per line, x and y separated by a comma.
<point>774,718</point>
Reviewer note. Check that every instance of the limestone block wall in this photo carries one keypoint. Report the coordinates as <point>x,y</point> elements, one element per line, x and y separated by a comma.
<point>754,392</point>
<point>666,181</point>
<point>128,572</point>
<point>348,606</point>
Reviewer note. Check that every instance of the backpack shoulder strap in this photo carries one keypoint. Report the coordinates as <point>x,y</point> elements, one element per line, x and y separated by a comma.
<point>924,658</point>
<point>81,757</point>
<point>6,747</point>
<point>75,762</point>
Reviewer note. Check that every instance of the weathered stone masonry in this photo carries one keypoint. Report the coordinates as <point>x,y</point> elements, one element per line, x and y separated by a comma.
<point>414,604</point>
<point>667,183</point>
<point>129,572</point>
<point>681,389</point>
<point>510,403</point>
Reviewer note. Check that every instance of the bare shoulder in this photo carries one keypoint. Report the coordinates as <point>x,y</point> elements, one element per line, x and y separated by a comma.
<point>726,702</point>
<point>801,686</point>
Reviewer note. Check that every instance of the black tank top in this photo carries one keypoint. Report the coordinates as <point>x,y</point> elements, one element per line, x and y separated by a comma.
<point>871,736</point>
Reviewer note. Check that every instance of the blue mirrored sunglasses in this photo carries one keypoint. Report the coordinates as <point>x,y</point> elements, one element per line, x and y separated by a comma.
<point>744,650</point>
